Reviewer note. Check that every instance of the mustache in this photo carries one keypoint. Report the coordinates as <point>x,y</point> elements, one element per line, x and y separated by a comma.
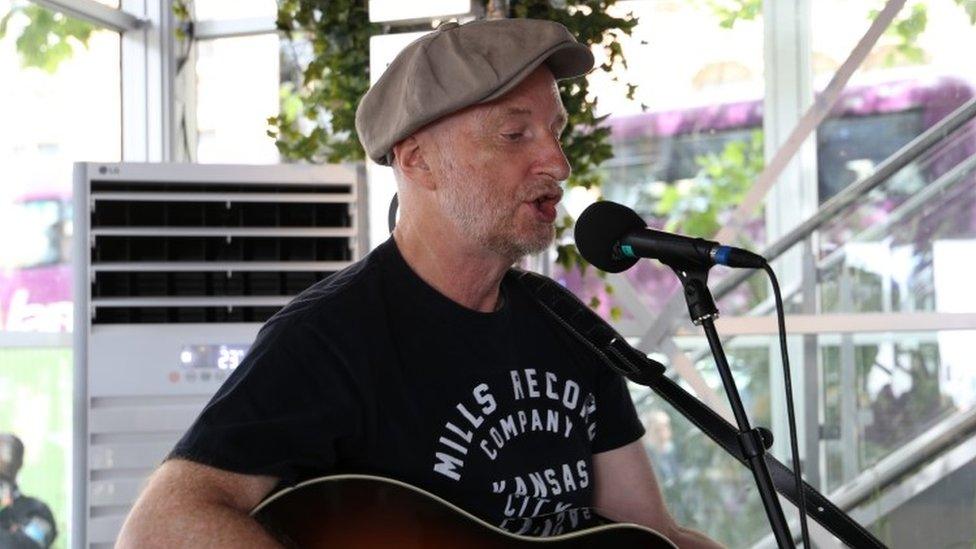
<point>540,190</point>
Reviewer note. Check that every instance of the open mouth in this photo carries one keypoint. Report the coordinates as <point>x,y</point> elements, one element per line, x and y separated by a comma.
<point>545,206</point>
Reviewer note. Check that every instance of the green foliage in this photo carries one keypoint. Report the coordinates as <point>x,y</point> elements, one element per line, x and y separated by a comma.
<point>909,26</point>
<point>906,31</point>
<point>695,207</point>
<point>325,100</point>
<point>970,7</point>
<point>181,10</point>
<point>49,38</point>
<point>729,12</point>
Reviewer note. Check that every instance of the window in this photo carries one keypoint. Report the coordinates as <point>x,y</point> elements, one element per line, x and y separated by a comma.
<point>61,90</point>
<point>237,91</point>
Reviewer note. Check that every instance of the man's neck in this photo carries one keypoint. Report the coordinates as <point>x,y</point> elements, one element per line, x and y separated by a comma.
<point>467,275</point>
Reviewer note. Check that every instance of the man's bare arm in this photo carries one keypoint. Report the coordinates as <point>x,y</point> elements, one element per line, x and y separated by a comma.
<point>187,504</point>
<point>626,490</point>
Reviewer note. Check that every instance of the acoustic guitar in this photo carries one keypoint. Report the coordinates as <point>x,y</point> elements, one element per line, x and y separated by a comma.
<point>370,511</point>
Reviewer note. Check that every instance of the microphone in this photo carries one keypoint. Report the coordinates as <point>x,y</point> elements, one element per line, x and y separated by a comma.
<point>613,237</point>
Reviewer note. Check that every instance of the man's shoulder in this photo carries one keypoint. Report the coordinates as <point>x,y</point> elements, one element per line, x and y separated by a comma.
<point>343,294</point>
<point>26,506</point>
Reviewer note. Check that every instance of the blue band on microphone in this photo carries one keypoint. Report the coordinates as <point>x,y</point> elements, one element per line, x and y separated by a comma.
<point>722,255</point>
<point>627,251</point>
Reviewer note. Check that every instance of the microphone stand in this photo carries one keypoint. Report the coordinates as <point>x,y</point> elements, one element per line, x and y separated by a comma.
<point>701,307</point>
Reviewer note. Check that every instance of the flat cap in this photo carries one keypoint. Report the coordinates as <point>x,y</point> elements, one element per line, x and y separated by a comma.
<point>457,66</point>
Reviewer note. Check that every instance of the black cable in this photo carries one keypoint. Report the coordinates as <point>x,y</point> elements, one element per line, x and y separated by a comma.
<point>794,446</point>
<point>391,216</point>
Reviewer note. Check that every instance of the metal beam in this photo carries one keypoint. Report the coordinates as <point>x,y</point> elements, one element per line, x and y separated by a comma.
<point>213,29</point>
<point>913,204</point>
<point>93,12</point>
<point>916,483</point>
<point>936,440</point>
<point>35,340</point>
<point>842,323</point>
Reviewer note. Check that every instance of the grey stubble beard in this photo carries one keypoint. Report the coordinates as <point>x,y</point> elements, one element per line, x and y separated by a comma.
<point>480,219</point>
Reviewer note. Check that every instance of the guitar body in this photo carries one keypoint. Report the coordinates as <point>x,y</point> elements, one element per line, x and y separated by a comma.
<point>367,511</point>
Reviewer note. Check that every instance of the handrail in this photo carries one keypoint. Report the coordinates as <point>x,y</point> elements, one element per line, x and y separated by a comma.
<point>911,205</point>
<point>839,202</point>
<point>948,433</point>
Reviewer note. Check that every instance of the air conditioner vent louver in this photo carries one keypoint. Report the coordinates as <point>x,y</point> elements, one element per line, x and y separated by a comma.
<point>212,249</point>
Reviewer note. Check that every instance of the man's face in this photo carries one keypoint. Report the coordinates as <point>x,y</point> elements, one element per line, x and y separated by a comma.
<point>499,166</point>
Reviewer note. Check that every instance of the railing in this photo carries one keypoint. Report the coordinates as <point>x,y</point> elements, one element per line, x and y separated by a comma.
<point>881,334</point>
<point>830,209</point>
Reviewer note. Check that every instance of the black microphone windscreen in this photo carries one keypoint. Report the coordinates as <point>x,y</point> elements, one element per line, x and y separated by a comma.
<point>599,228</point>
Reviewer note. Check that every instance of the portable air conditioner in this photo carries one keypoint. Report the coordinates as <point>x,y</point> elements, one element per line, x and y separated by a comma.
<point>176,268</point>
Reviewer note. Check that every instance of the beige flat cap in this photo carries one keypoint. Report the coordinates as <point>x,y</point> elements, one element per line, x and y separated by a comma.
<point>457,66</point>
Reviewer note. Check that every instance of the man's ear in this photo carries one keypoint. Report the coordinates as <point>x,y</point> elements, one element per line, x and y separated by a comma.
<point>410,157</point>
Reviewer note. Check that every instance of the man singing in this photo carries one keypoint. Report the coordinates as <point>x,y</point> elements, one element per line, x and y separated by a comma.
<point>424,362</point>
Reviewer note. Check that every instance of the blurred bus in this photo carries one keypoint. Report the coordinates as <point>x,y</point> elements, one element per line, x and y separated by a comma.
<point>656,150</point>
<point>35,269</point>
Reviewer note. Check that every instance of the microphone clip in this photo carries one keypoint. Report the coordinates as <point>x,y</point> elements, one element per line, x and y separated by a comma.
<point>701,305</point>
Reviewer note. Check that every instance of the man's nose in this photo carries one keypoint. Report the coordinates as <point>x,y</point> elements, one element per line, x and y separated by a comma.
<point>552,160</point>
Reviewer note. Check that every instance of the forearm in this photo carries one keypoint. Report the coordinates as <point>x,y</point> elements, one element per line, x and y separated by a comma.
<point>686,538</point>
<point>201,524</point>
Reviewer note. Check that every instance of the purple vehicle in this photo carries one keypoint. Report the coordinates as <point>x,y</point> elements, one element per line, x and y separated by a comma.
<point>35,276</point>
<point>868,124</point>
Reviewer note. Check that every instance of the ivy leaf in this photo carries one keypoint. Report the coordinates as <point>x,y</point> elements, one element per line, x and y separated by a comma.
<point>5,20</point>
<point>970,7</point>
<point>49,37</point>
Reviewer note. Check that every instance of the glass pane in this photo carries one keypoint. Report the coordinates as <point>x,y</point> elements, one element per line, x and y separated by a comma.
<point>60,84</point>
<point>690,141</point>
<point>35,405</point>
<point>704,487</point>
<point>234,9</point>
<point>916,74</point>
<point>941,515</point>
<point>905,245</point>
<point>878,392</point>
<point>45,131</point>
<point>893,388</point>
<point>237,91</point>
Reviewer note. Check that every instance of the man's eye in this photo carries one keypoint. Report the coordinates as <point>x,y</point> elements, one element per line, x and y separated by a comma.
<point>512,136</point>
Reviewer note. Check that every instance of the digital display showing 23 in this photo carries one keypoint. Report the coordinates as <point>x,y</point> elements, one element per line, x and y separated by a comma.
<point>224,356</point>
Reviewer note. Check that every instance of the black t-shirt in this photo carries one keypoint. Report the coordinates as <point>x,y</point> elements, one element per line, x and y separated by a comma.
<point>374,371</point>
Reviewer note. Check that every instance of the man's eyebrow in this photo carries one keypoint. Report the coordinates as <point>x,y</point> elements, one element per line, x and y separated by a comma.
<point>516,111</point>
<point>562,118</point>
